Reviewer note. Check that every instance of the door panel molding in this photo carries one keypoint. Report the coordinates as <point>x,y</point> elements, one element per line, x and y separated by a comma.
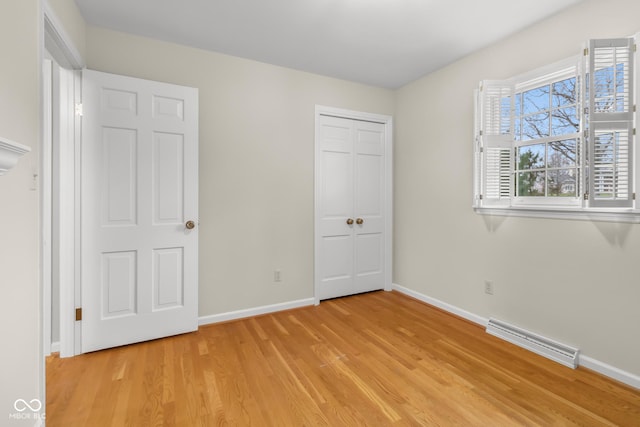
<point>364,146</point>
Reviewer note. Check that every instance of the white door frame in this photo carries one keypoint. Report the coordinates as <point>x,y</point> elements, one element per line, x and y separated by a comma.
<point>57,42</point>
<point>46,201</point>
<point>387,121</point>
<point>68,138</point>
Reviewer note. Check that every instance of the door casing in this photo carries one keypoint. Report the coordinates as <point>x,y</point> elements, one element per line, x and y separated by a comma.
<point>60,46</point>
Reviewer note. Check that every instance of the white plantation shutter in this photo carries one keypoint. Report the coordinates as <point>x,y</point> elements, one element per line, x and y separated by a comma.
<point>477,151</point>
<point>610,164</point>
<point>498,167</point>
<point>496,106</point>
<point>611,79</point>
<point>496,143</point>
<point>610,122</point>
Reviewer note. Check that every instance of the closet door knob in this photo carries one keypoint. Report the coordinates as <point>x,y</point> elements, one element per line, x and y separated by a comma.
<point>190,225</point>
<point>350,221</point>
<point>359,221</point>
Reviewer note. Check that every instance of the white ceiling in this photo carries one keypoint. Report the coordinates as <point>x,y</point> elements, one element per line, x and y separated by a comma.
<point>385,43</point>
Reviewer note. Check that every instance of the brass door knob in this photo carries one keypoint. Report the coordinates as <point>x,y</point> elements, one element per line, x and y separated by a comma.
<point>350,221</point>
<point>190,225</point>
<point>359,221</point>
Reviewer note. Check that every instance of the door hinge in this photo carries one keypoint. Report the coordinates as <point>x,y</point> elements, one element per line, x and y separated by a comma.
<point>480,197</point>
<point>586,196</point>
<point>79,110</point>
<point>586,51</point>
<point>633,196</point>
<point>78,314</point>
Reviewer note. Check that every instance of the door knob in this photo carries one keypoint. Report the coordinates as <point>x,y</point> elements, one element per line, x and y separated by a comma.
<point>190,225</point>
<point>350,221</point>
<point>359,221</point>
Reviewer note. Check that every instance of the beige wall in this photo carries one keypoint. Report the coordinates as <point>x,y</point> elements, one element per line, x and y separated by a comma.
<point>575,281</point>
<point>256,161</point>
<point>20,364</point>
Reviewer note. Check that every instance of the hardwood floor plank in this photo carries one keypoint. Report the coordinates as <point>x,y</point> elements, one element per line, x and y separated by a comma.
<point>377,359</point>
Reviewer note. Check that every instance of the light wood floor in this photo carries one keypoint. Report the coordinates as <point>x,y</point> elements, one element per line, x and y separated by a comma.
<point>378,359</point>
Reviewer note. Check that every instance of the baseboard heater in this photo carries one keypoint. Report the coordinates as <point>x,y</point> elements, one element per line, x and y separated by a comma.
<point>546,347</point>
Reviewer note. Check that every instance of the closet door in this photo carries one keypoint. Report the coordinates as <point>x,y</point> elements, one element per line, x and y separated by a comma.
<point>350,206</point>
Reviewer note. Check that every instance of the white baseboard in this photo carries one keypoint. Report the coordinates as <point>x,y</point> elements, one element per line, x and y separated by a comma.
<point>55,347</point>
<point>443,305</point>
<point>585,361</point>
<point>610,371</point>
<point>256,311</point>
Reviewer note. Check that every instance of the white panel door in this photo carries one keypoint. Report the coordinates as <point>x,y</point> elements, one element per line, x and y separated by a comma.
<point>351,200</point>
<point>369,199</point>
<point>139,210</point>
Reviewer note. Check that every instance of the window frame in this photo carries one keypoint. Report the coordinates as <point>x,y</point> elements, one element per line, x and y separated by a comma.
<point>548,76</point>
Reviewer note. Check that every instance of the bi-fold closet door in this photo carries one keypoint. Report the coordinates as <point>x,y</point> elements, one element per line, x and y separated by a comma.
<point>351,206</point>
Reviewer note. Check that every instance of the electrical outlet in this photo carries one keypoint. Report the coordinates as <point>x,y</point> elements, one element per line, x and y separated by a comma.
<point>277,276</point>
<point>488,287</point>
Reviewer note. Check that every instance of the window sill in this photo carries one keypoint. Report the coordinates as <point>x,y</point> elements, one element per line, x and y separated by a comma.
<point>579,214</point>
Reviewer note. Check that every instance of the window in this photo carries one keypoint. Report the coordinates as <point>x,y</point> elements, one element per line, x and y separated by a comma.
<point>546,134</point>
<point>560,137</point>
